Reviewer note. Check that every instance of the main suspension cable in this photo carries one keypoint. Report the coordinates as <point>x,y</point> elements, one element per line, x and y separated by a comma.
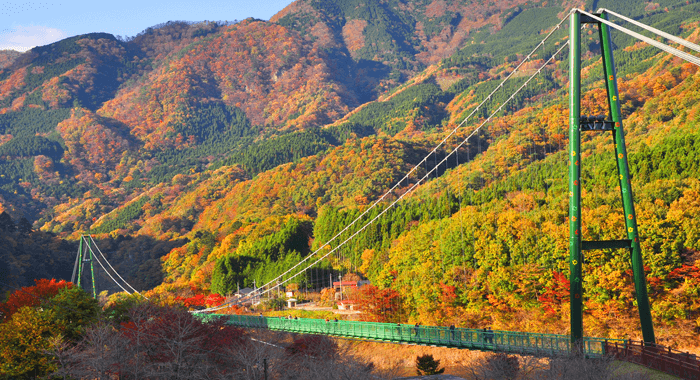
<point>433,151</point>
<point>413,187</point>
<point>671,50</point>
<point>110,265</point>
<point>671,37</point>
<point>94,256</point>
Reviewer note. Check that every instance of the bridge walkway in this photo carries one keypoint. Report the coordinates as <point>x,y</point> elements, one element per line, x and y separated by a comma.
<point>474,339</point>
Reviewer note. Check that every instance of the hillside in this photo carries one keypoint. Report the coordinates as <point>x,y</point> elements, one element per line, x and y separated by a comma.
<point>206,156</point>
<point>391,41</point>
<point>7,57</point>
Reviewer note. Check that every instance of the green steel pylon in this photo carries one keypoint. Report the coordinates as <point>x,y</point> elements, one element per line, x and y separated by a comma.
<point>575,276</point>
<point>84,257</point>
<point>612,123</point>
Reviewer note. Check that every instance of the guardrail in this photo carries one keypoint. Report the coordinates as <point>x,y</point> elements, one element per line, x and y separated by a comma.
<point>682,364</point>
<point>479,339</point>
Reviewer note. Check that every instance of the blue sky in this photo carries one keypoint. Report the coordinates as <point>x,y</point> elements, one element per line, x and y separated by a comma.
<point>24,25</point>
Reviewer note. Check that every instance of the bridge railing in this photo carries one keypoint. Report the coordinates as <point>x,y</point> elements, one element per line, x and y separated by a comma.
<point>489,340</point>
<point>682,364</point>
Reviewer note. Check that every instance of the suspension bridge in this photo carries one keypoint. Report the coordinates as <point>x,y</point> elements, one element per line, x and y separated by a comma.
<point>646,352</point>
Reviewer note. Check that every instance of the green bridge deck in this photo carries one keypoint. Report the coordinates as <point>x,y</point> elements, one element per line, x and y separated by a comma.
<point>475,339</point>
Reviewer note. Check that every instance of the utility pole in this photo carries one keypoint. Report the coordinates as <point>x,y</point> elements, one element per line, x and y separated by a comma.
<point>255,292</point>
<point>340,281</point>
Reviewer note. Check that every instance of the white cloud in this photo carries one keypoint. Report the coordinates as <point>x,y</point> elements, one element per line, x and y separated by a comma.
<point>23,38</point>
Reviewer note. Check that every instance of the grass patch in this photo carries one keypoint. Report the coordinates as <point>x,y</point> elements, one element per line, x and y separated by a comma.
<point>630,370</point>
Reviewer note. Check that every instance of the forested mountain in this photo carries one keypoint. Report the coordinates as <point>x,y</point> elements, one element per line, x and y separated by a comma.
<point>391,41</point>
<point>7,56</point>
<point>205,156</point>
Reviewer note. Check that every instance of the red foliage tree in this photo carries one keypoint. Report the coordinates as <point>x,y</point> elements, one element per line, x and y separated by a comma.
<point>685,272</point>
<point>448,295</point>
<point>32,296</point>
<point>200,300</point>
<point>214,300</point>
<point>195,301</point>
<point>554,295</point>
<point>378,305</point>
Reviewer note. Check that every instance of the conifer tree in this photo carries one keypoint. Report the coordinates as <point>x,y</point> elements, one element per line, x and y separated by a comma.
<point>427,365</point>
<point>6,223</point>
<point>24,226</point>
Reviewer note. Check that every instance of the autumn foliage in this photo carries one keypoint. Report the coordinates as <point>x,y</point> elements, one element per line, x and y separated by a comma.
<point>200,300</point>
<point>32,296</point>
<point>41,317</point>
<point>556,294</point>
<point>378,305</point>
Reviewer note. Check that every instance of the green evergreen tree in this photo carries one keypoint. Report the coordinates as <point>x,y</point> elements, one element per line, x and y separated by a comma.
<point>6,223</point>
<point>427,365</point>
<point>24,226</point>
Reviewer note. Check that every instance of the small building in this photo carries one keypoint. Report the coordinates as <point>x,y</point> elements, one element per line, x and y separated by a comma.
<point>347,305</point>
<point>338,285</point>
<point>292,302</point>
